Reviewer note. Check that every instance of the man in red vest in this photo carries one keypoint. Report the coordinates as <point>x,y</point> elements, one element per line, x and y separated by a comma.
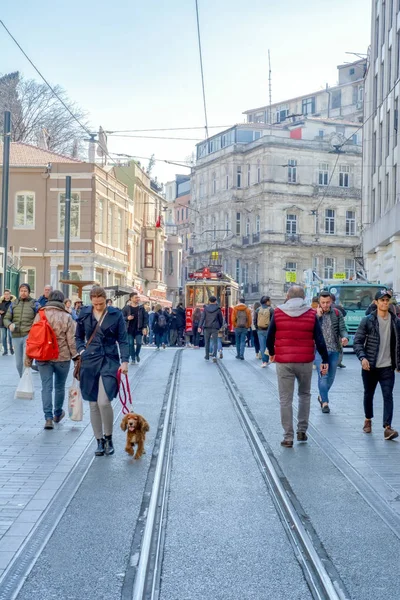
<point>292,336</point>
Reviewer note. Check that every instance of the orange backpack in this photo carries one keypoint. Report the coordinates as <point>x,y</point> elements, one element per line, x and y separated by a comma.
<point>42,341</point>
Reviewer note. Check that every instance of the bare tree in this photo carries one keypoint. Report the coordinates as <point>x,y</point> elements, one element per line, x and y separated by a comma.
<point>38,117</point>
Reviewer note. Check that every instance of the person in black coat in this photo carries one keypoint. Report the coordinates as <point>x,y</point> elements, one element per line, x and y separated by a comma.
<point>377,346</point>
<point>100,363</point>
<point>5,302</point>
<point>160,326</point>
<point>136,319</point>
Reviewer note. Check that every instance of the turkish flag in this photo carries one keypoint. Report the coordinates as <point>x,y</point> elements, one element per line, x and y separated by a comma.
<point>158,222</point>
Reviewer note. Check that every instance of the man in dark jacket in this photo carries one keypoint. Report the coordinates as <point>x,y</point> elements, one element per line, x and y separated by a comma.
<point>211,321</point>
<point>377,346</point>
<point>181,322</point>
<point>291,339</point>
<point>44,298</point>
<point>136,319</point>
<point>5,302</point>
<point>335,336</point>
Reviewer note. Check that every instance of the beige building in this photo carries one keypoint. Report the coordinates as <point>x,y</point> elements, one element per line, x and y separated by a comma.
<point>381,208</point>
<point>274,205</point>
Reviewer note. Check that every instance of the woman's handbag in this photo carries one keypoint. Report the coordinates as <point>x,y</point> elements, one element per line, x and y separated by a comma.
<point>78,360</point>
<point>75,405</point>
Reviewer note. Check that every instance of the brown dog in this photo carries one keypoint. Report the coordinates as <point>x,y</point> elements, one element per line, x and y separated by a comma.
<point>136,427</point>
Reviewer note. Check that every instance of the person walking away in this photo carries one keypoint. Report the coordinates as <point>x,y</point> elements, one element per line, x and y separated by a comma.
<point>340,308</point>
<point>292,335</point>
<point>5,302</point>
<point>262,320</point>
<point>181,322</point>
<point>196,317</point>
<point>241,319</point>
<point>160,326</point>
<point>211,321</point>
<point>335,335</point>
<point>377,347</point>
<point>151,325</point>
<point>254,333</point>
<point>105,328</point>
<point>136,322</point>
<point>221,333</point>
<point>173,328</point>
<point>54,373</point>
<point>19,320</point>
<point>44,298</point>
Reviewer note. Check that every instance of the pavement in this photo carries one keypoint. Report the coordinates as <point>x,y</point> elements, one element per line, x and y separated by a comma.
<point>70,520</point>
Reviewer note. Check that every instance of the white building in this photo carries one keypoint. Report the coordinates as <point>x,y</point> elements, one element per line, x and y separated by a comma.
<point>275,202</point>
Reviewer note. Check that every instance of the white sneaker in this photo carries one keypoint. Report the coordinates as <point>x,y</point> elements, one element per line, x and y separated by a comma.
<point>264,365</point>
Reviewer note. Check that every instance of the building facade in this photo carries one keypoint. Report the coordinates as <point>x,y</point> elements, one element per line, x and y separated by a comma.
<point>380,205</point>
<point>274,205</point>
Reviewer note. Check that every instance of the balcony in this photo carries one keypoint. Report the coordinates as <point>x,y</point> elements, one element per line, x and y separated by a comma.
<point>292,238</point>
<point>246,240</point>
<point>256,238</point>
<point>254,288</point>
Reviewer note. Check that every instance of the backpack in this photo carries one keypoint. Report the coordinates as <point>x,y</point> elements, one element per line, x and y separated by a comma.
<point>162,321</point>
<point>263,318</point>
<point>241,318</point>
<point>42,341</point>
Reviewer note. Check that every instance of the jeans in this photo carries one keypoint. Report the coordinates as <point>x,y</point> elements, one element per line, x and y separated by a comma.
<point>151,335</point>
<point>240,336</point>
<point>196,335</point>
<point>262,338</point>
<point>159,337</point>
<point>256,341</point>
<point>60,371</point>
<point>287,374</point>
<point>19,350</point>
<point>325,381</point>
<point>385,377</point>
<point>219,347</point>
<point>7,335</point>
<point>208,334</point>
<point>173,337</point>
<point>132,340</point>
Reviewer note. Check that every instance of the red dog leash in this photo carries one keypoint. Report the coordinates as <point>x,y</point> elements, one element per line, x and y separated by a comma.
<point>124,393</point>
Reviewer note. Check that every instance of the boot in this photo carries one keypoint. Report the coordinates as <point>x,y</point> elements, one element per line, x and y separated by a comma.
<point>109,447</point>
<point>100,448</point>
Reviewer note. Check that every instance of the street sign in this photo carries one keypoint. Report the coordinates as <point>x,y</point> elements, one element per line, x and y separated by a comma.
<point>339,276</point>
<point>290,277</point>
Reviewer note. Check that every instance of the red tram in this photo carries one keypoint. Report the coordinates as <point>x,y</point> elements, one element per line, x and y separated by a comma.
<point>206,283</point>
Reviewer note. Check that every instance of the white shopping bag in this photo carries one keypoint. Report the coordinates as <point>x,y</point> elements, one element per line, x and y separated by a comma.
<point>75,405</point>
<point>25,387</point>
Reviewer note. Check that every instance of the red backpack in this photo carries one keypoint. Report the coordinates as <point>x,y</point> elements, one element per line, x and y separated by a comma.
<point>42,341</point>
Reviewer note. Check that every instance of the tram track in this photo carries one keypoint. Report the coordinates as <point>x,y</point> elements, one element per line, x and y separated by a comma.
<point>143,575</point>
<point>320,573</point>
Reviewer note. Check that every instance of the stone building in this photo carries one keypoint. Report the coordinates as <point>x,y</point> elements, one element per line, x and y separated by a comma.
<point>380,206</point>
<point>275,202</point>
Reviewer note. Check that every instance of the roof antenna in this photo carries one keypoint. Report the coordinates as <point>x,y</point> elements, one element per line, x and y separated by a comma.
<point>270,92</point>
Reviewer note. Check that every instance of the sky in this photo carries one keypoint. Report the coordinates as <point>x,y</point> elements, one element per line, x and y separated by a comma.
<point>135,65</point>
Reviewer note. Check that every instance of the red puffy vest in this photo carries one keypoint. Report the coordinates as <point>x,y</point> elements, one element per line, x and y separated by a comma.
<point>42,341</point>
<point>294,339</point>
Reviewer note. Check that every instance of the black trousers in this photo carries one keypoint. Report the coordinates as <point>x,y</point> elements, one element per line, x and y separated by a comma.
<point>385,377</point>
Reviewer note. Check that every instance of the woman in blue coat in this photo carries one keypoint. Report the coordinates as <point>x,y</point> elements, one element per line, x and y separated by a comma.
<point>100,363</point>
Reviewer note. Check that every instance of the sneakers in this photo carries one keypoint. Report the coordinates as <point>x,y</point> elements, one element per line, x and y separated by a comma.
<point>221,355</point>
<point>302,436</point>
<point>237,356</point>
<point>341,366</point>
<point>163,346</point>
<point>60,418</point>
<point>138,359</point>
<point>389,433</point>
<point>241,357</point>
<point>367,426</point>
<point>264,365</point>
<point>325,408</point>
<point>258,355</point>
<point>49,424</point>
<point>287,443</point>
<point>133,362</point>
<point>214,359</point>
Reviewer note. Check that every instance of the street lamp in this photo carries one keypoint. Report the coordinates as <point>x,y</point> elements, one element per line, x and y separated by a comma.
<point>19,253</point>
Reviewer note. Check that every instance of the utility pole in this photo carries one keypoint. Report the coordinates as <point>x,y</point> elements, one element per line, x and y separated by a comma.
<point>270,92</point>
<point>67,229</point>
<point>4,196</point>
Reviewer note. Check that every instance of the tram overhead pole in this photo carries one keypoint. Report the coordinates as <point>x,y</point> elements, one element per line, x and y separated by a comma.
<point>4,193</point>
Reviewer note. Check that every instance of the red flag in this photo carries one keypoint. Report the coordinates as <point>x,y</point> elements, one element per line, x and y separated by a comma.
<point>158,222</point>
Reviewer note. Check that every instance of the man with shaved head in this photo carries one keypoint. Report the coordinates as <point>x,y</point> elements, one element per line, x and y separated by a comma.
<point>292,336</point>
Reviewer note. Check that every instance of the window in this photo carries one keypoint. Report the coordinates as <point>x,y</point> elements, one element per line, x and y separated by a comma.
<point>315,264</point>
<point>110,229</point>
<point>256,272</point>
<point>245,274</point>
<point>329,267</point>
<point>292,171</point>
<point>248,226</point>
<point>248,175</point>
<point>394,183</point>
<point>201,188</point>
<point>291,224</point>
<point>291,267</point>
<point>214,183</point>
<point>396,119</point>
<point>321,134</point>
<point>344,174</point>
<point>308,106</point>
<point>187,212</point>
<point>238,177</point>
<point>227,181</point>
<point>323,175</point>
<point>258,224</point>
<point>258,172</point>
<point>100,225</point>
<point>170,262</point>
<point>330,221</point>
<point>388,133</point>
<point>119,230</point>
<point>238,270</point>
<point>75,215</point>
<point>30,278</point>
<point>227,228</point>
<point>351,71</point>
<point>350,222</point>
<point>25,210</point>
<point>281,115</point>
<point>214,228</point>
<point>149,254</point>
<point>238,223</point>
<point>350,268</point>
<point>336,98</point>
